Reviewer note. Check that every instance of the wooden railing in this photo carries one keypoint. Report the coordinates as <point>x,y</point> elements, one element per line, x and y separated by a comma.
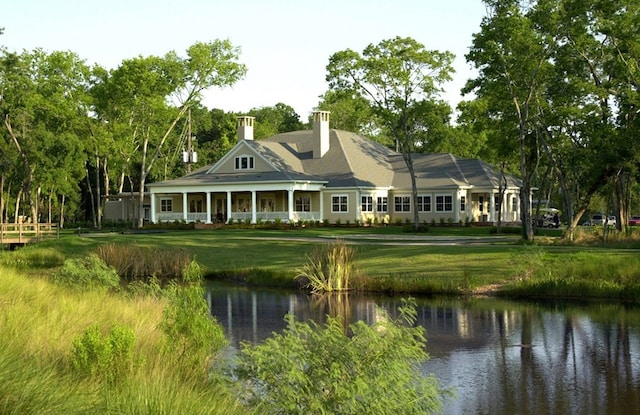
<point>22,233</point>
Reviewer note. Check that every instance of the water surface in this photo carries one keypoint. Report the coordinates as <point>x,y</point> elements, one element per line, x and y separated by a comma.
<point>501,357</point>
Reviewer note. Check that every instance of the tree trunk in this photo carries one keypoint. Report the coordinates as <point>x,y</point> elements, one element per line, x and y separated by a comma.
<point>62,203</point>
<point>90,189</point>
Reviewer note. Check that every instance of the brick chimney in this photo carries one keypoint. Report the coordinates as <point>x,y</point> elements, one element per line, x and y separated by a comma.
<point>320,133</point>
<point>245,127</point>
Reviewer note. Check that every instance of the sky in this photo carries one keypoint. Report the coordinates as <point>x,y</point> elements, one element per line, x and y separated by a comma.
<point>285,44</point>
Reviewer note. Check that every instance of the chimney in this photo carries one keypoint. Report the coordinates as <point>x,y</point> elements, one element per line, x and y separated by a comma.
<point>245,127</point>
<point>320,133</point>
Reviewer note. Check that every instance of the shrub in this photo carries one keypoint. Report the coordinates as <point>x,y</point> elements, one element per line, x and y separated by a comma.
<point>89,272</point>
<point>109,357</point>
<point>321,369</point>
<point>328,267</point>
<point>192,335</point>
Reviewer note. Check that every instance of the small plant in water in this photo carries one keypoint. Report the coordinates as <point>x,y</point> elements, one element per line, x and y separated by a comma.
<point>328,268</point>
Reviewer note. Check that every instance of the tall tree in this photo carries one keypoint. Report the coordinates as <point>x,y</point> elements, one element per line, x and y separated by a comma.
<point>401,80</point>
<point>40,101</point>
<point>513,62</point>
<point>270,121</point>
<point>151,95</point>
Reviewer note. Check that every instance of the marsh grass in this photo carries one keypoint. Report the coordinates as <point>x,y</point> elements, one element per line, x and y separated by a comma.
<point>594,274</point>
<point>38,322</point>
<point>133,262</point>
<point>329,267</point>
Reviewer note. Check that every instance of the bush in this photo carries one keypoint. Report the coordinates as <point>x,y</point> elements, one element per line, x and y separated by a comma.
<point>109,358</point>
<point>192,335</point>
<point>320,369</point>
<point>89,272</point>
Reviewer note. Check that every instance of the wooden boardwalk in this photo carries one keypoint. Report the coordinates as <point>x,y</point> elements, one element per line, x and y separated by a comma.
<point>18,234</point>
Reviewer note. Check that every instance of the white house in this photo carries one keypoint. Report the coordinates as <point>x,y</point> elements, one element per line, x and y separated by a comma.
<point>327,174</point>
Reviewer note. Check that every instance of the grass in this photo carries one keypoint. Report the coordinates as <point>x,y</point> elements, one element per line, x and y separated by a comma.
<point>271,257</point>
<point>38,322</point>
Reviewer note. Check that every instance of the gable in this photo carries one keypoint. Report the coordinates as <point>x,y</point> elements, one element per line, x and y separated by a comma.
<point>242,158</point>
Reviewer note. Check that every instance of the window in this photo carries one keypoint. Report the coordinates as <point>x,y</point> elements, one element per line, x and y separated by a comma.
<point>424,203</point>
<point>481,204</point>
<point>514,203</point>
<point>402,203</point>
<point>463,203</point>
<point>303,204</point>
<point>339,203</point>
<point>367,203</point>
<point>383,204</point>
<point>444,203</point>
<point>166,205</point>
<point>244,163</point>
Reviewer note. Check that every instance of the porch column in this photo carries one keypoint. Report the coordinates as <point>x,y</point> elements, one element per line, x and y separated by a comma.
<point>492,206</point>
<point>505,207</point>
<point>184,206</point>
<point>228,206</point>
<point>456,207</point>
<point>152,198</point>
<point>321,218</point>
<point>290,205</point>
<point>254,207</point>
<point>208,207</point>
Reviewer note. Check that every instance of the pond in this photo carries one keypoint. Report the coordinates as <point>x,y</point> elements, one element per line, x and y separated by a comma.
<point>500,357</point>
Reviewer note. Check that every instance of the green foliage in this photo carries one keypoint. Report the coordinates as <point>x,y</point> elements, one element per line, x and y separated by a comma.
<point>88,272</point>
<point>109,358</point>
<point>319,369</point>
<point>192,335</point>
<point>329,267</point>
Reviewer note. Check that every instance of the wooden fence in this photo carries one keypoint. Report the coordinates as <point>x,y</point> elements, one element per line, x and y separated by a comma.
<point>13,234</point>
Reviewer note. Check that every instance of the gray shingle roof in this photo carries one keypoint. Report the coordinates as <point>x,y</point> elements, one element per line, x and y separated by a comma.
<point>351,161</point>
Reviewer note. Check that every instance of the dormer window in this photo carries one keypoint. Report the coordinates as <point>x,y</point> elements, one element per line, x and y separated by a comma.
<point>244,163</point>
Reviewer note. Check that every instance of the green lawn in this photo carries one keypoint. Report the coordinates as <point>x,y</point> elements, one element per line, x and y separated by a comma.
<point>387,258</point>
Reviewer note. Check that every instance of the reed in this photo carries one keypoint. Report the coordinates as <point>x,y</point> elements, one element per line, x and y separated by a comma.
<point>329,267</point>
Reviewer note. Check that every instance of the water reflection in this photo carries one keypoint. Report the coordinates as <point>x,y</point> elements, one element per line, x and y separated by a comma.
<point>501,357</point>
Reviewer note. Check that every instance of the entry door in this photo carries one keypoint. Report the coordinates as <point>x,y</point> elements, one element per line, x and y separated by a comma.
<point>267,204</point>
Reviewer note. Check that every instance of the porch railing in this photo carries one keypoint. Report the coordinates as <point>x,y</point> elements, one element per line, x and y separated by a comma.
<point>239,216</point>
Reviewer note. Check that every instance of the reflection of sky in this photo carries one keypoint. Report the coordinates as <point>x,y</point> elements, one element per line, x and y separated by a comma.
<point>569,363</point>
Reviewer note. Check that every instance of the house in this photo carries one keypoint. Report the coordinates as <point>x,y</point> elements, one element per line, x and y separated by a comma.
<point>339,176</point>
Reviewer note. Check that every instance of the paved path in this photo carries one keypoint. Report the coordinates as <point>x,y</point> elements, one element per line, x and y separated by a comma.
<point>381,239</point>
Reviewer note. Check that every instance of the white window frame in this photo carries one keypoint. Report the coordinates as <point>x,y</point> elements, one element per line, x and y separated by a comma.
<point>343,201</point>
<point>166,204</point>
<point>366,203</point>
<point>463,203</point>
<point>302,203</point>
<point>405,202</point>
<point>249,162</point>
<point>421,203</point>
<point>382,204</point>
<point>444,209</point>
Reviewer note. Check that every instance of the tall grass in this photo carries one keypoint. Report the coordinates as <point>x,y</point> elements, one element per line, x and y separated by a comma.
<point>38,322</point>
<point>133,262</point>
<point>329,267</point>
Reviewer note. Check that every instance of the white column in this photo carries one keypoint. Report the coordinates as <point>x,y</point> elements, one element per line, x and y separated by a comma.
<point>254,207</point>
<point>152,198</point>
<point>321,218</point>
<point>492,206</point>
<point>456,207</point>
<point>184,206</point>
<point>208,207</point>
<point>228,206</point>
<point>290,206</point>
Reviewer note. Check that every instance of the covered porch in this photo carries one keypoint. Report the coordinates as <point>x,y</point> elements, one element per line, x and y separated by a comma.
<point>300,202</point>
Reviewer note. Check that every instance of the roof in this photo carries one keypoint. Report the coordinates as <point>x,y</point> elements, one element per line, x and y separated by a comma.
<point>351,161</point>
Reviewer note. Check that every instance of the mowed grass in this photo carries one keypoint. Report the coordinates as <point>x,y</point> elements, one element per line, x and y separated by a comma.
<point>387,259</point>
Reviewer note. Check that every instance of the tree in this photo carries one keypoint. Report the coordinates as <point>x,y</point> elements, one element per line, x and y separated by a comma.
<point>40,102</point>
<point>513,61</point>
<point>321,369</point>
<point>401,81</point>
<point>270,121</point>
<point>149,96</point>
